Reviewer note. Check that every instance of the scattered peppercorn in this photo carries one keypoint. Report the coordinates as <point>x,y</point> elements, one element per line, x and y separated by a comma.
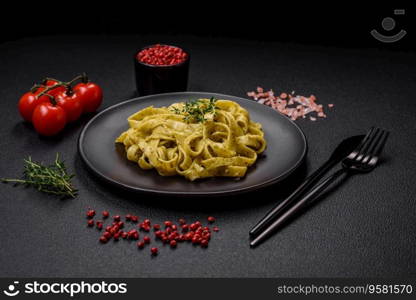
<point>172,234</point>
<point>204,243</point>
<point>99,225</point>
<point>90,213</point>
<point>107,235</point>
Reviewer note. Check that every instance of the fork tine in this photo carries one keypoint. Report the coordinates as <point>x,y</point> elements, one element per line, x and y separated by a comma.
<point>380,145</point>
<point>375,142</point>
<point>369,153</point>
<point>363,141</point>
<point>367,144</point>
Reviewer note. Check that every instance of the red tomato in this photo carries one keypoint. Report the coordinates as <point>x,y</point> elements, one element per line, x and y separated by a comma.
<point>56,90</point>
<point>49,119</point>
<point>92,95</point>
<point>28,103</point>
<point>72,105</point>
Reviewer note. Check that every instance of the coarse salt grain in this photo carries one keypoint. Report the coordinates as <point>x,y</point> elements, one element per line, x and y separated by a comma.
<point>291,105</point>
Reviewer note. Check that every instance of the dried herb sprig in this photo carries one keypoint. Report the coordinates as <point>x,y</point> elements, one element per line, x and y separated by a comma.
<point>52,179</point>
<point>197,110</point>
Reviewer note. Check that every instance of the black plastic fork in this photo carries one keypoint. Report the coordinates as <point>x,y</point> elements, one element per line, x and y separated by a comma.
<point>363,159</point>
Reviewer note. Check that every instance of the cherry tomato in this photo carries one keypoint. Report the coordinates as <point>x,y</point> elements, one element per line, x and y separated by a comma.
<point>49,119</point>
<point>28,103</point>
<point>71,103</point>
<point>55,91</point>
<point>92,95</point>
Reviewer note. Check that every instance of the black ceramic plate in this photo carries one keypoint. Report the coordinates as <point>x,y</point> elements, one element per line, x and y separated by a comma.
<point>286,148</point>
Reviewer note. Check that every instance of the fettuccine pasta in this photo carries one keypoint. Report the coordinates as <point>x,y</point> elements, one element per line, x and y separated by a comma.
<point>201,139</point>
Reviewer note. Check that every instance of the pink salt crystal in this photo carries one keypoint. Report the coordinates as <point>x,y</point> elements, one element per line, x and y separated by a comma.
<point>304,105</point>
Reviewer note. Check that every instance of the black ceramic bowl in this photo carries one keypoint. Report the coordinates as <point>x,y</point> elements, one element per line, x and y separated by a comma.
<point>156,79</point>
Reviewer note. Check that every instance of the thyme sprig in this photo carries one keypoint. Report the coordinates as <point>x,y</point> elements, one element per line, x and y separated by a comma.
<point>52,179</point>
<point>197,110</point>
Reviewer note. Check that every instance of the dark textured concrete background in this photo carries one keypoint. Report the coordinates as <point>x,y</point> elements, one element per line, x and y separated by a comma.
<point>365,228</point>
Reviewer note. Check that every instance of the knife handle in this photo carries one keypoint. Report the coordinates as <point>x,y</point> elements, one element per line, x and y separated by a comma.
<point>276,211</point>
<point>296,207</point>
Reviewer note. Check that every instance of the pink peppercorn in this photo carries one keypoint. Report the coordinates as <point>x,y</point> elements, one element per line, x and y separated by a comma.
<point>90,213</point>
<point>154,251</point>
<point>172,236</point>
<point>140,245</point>
<point>90,223</point>
<point>133,234</point>
<point>106,214</point>
<point>146,239</point>
<point>144,227</point>
<point>99,225</point>
<point>211,219</point>
<point>162,55</point>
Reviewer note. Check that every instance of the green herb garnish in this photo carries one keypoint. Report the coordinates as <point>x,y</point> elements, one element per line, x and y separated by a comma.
<point>196,111</point>
<point>53,179</point>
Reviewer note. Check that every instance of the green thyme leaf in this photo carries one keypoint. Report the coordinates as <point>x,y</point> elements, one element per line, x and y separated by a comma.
<point>52,179</point>
<point>196,110</point>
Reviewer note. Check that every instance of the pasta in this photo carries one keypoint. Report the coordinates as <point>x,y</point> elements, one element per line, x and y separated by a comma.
<point>203,138</point>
